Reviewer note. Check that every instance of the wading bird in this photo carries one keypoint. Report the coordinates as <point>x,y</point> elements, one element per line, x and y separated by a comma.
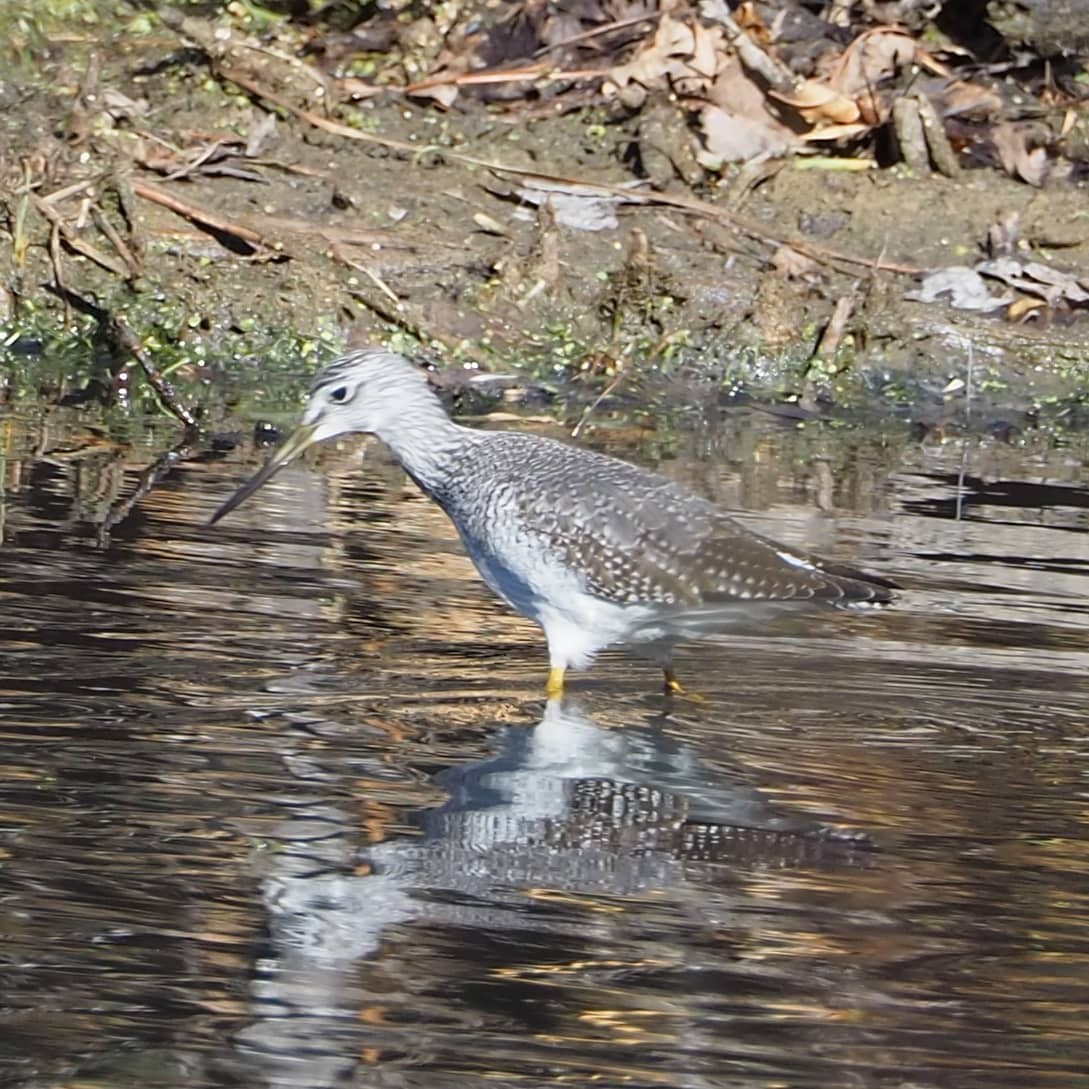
<point>594,550</point>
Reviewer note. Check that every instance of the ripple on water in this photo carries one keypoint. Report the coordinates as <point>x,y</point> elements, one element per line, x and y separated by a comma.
<point>281,805</point>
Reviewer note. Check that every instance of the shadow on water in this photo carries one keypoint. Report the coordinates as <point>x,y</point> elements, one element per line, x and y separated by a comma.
<point>281,804</point>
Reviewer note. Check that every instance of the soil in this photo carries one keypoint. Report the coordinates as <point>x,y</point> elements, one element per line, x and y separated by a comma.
<point>326,237</point>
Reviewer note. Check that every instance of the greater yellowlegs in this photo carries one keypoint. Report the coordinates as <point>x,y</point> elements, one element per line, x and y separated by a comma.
<point>595,550</point>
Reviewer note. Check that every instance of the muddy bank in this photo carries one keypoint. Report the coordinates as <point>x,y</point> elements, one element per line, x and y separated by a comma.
<point>172,177</point>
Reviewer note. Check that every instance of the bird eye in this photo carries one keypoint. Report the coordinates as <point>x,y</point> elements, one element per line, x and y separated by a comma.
<point>339,395</point>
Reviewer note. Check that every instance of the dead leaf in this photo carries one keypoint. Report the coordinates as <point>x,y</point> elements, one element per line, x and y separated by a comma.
<point>872,58</point>
<point>353,88</point>
<point>1037,279</point>
<point>119,106</point>
<point>737,123</point>
<point>444,92</point>
<point>1016,158</point>
<point>788,262</point>
<point>839,132</point>
<point>966,288</point>
<point>816,102</point>
<point>748,19</point>
<point>968,100</point>
<point>1023,309</point>
<point>581,208</point>
<point>730,138</point>
<point>683,55</point>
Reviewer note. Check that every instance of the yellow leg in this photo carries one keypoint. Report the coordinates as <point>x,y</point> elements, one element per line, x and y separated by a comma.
<point>554,684</point>
<point>673,686</point>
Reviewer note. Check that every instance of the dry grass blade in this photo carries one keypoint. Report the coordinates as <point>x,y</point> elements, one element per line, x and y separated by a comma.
<point>107,228</point>
<point>75,243</point>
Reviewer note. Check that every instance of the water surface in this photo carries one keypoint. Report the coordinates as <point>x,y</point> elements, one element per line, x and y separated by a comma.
<point>282,803</point>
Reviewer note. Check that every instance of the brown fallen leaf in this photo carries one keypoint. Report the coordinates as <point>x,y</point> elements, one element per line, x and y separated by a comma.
<point>815,102</point>
<point>441,87</point>
<point>731,138</point>
<point>737,123</point>
<point>788,262</point>
<point>828,133</point>
<point>681,54</point>
<point>870,59</point>
<point>1023,309</point>
<point>1017,159</point>
<point>1035,278</point>
<point>960,98</point>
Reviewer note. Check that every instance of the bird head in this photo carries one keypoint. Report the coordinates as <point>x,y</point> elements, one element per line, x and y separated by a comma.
<point>364,391</point>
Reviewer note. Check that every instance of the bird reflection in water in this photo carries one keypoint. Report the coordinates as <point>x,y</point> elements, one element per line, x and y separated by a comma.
<point>564,811</point>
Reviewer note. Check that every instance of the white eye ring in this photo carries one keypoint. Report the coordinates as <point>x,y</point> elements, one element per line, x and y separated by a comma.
<point>339,395</point>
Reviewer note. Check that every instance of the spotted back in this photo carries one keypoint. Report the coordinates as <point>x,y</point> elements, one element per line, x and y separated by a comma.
<point>634,536</point>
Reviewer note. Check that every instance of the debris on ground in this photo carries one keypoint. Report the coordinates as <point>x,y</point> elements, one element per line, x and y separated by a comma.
<point>600,188</point>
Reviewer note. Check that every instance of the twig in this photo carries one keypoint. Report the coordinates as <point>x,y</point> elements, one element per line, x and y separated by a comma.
<point>486,76</point>
<point>67,191</point>
<point>127,340</point>
<point>394,315</point>
<point>56,259</point>
<point>592,407</point>
<point>372,276</point>
<point>836,327</point>
<point>543,72</point>
<point>151,476</point>
<point>108,229</point>
<point>778,77</point>
<point>74,242</point>
<point>307,70</point>
<point>126,203</point>
<point>200,216</point>
<point>196,164</point>
<point>598,31</point>
<point>312,118</point>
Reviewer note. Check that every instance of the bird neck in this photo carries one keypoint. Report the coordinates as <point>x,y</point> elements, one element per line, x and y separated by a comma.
<point>424,440</point>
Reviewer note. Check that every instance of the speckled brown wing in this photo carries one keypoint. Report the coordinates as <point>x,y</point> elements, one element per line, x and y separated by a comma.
<point>654,542</point>
<point>638,538</point>
<point>738,565</point>
<point>716,562</point>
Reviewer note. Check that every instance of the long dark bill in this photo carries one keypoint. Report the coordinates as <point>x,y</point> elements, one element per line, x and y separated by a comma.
<point>288,450</point>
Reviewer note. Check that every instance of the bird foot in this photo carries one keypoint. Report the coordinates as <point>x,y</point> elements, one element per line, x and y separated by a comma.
<point>673,687</point>
<point>554,684</point>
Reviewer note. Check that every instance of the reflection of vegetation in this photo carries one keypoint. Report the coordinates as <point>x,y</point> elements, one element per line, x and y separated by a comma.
<point>24,22</point>
<point>262,375</point>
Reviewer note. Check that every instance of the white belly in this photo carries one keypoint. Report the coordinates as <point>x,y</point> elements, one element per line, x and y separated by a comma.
<point>576,624</point>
